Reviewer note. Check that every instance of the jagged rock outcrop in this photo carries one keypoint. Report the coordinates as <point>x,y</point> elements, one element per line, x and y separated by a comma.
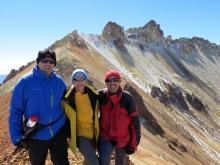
<point>178,97</point>
<point>205,44</point>
<point>208,48</point>
<point>175,145</point>
<point>13,72</point>
<point>196,103</point>
<point>168,39</point>
<point>160,95</point>
<point>151,32</point>
<point>185,45</point>
<point>113,31</point>
<point>194,44</point>
<point>172,96</point>
<point>149,121</point>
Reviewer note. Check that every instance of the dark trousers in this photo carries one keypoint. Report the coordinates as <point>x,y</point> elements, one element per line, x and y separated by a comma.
<point>105,150</point>
<point>87,148</point>
<point>38,149</point>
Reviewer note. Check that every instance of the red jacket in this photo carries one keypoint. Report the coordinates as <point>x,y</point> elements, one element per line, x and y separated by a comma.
<point>119,120</point>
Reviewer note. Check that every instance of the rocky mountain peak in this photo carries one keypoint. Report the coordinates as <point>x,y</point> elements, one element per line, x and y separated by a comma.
<point>153,31</point>
<point>113,31</point>
<point>150,32</point>
<point>151,24</point>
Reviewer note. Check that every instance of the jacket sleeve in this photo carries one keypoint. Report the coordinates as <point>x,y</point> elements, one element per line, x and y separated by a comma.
<point>135,130</point>
<point>16,111</point>
<point>101,96</point>
<point>67,109</point>
<point>71,115</point>
<point>135,127</point>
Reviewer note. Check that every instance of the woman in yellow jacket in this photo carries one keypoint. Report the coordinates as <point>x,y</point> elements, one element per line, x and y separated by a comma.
<point>81,107</point>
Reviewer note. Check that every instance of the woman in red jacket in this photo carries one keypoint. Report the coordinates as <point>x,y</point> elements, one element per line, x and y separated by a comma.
<point>119,121</point>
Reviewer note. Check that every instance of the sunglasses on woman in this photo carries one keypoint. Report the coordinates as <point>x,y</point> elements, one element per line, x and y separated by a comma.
<point>78,79</point>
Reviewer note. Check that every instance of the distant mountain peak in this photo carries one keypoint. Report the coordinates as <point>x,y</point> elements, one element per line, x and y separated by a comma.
<point>151,23</point>
<point>150,32</point>
<point>113,31</point>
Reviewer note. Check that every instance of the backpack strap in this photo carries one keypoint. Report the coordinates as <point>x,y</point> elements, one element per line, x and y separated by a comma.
<point>31,131</point>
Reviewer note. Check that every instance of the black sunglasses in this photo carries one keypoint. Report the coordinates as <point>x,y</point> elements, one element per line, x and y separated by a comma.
<point>114,79</point>
<point>44,60</point>
<point>78,79</point>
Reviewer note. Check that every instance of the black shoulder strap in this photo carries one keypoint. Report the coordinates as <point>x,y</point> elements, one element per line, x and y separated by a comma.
<point>31,131</point>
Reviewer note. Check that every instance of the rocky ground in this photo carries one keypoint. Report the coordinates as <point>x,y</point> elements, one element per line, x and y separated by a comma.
<point>20,157</point>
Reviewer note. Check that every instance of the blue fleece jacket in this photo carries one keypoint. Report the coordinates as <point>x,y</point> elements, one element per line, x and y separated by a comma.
<point>37,94</point>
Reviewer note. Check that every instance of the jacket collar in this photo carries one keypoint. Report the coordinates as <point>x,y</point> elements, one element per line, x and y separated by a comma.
<point>116,96</point>
<point>69,97</point>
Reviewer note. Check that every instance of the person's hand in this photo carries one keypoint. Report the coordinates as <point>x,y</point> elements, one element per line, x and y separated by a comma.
<point>129,150</point>
<point>22,144</point>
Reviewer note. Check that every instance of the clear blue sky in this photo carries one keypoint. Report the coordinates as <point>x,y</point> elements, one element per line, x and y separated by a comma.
<point>27,26</point>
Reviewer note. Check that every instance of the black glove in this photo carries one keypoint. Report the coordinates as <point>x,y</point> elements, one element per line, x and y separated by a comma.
<point>129,150</point>
<point>22,144</point>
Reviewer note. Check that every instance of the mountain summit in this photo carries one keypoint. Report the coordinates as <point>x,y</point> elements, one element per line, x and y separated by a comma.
<point>150,32</point>
<point>113,31</point>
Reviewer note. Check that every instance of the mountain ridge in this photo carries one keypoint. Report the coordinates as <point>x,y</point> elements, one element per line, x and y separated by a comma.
<point>2,77</point>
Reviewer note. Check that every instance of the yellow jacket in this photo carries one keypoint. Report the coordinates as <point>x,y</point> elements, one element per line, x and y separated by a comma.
<point>70,109</point>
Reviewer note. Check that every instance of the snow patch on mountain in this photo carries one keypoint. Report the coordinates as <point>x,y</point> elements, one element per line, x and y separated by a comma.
<point>109,53</point>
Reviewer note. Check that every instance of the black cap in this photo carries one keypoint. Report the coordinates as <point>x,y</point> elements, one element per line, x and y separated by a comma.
<point>46,53</point>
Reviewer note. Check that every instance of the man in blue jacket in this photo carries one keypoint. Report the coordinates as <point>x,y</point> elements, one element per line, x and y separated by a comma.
<point>39,94</point>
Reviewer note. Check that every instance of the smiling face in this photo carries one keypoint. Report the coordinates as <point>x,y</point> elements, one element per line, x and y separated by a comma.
<point>113,84</point>
<point>46,64</point>
<point>79,83</point>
